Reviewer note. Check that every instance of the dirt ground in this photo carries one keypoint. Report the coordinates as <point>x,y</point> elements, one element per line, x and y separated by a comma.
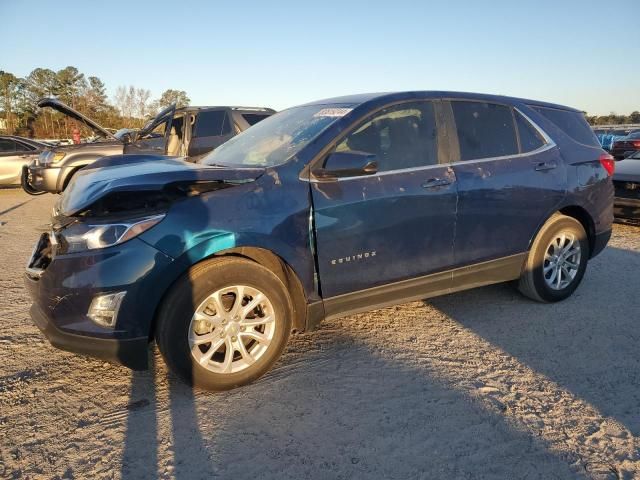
<point>480,384</point>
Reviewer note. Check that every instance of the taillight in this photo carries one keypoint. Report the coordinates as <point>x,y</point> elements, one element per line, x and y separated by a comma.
<point>636,143</point>
<point>608,162</point>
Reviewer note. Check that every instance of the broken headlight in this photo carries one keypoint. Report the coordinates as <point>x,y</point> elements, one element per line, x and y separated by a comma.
<point>79,237</point>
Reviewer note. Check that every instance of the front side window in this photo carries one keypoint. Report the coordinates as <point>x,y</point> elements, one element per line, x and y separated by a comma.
<point>7,146</point>
<point>212,124</point>
<point>485,130</point>
<point>401,136</point>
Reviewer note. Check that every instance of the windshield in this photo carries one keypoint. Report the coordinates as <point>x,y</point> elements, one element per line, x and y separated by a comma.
<point>276,139</point>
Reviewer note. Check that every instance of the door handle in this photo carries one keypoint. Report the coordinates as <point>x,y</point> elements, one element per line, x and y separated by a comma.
<point>436,182</point>
<point>542,166</point>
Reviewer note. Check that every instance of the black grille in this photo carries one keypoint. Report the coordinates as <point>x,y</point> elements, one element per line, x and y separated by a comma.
<point>42,254</point>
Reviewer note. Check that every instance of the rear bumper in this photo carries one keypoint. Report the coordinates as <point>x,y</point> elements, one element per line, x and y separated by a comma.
<point>622,153</point>
<point>600,242</point>
<point>130,352</point>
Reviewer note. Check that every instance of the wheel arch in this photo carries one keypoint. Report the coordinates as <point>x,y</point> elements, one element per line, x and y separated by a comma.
<point>581,215</point>
<point>267,259</point>
<point>64,181</point>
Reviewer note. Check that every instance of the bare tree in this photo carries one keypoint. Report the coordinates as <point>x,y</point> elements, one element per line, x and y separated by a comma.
<point>142,98</point>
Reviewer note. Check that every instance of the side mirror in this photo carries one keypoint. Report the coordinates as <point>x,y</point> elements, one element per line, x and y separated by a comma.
<point>348,164</point>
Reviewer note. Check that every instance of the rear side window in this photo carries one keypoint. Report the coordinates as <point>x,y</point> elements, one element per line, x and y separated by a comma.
<point>571,123</point>
<point>530,139</point>
<point>484,130</point>
<point>402,136</point>
<point>253,118</point>
<point>212,124</point>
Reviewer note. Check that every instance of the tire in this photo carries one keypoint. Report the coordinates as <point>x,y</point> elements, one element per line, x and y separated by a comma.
<point>537,280</point>
<point>212,289</point>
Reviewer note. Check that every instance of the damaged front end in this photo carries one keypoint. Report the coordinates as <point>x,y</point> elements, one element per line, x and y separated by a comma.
<point>93,279</point>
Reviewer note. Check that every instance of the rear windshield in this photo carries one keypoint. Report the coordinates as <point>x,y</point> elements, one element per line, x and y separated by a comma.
<point>572,123</point>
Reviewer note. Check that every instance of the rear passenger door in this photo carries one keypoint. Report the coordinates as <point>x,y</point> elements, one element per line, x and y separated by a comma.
<point>393,225</point>
<point>210,130</point>
<point>510,179</point>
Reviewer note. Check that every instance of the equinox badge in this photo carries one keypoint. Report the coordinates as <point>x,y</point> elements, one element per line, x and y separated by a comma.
<point>353,258</point>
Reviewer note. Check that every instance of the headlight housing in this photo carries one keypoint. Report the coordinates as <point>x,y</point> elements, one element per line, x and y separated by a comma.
<point>79,237</point>
<point>49,156</point>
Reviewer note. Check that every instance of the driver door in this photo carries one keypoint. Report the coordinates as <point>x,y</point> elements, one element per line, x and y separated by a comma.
<point>154,136</point>
<point>397,224</point>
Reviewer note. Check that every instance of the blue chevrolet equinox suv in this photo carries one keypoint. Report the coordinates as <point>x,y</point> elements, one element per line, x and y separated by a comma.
<point>322,210</point>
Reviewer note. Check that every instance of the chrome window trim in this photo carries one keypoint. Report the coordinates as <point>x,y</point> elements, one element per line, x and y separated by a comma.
<point>549,144</point>
<point>542,133</point>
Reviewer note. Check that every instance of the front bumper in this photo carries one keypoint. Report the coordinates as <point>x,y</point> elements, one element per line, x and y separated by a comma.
<point>39,178</point>
<point>130,352</point>
<point>63,287</point>
<point>626,209</point>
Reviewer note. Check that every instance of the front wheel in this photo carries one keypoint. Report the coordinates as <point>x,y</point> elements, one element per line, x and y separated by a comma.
<point>224,324</point>
<point>557,260</point>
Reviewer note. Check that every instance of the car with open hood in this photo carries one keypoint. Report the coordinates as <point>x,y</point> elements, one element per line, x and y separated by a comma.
<point>188,132</point>
<point>319,211</point>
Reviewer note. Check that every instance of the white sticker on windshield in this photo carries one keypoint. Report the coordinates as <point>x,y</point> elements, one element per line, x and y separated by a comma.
<point>332,112</point>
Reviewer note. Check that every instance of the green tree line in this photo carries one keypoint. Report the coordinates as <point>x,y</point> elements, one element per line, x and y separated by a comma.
<point>614,119</point>
<point>20,115</point>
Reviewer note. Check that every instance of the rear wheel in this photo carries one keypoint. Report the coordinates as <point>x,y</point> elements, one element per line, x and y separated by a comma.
<point>224,324</point>
<point>557,260</point>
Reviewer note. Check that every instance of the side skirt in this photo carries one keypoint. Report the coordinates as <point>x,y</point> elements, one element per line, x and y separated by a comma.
<point>441,283</point>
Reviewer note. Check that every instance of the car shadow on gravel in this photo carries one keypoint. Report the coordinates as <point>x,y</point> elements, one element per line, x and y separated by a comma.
<point>346,411</point>
<point>141,456</point>
<point>588,343</point>
<point>338,411</point>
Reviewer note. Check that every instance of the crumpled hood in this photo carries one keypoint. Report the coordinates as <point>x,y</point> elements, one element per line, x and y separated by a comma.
<point>627,170</point>
<point>142,173</point>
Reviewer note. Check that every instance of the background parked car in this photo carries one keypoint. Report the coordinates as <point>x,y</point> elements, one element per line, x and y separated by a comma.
<point>15,153</point>
<point>626,146</point>
<point>188,132</point>
<point>626,180</point>
<point>607,136</point>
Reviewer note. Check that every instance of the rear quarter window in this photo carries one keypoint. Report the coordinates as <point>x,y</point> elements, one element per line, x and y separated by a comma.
<point>572,123</point>
<point>530,139</point>
<point>253,118</point>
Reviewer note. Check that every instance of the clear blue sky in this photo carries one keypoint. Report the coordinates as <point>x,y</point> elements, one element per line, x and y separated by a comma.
<point>580,53</point>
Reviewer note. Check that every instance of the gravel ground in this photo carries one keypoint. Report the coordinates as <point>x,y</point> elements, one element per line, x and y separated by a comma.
<point>480,384</point>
